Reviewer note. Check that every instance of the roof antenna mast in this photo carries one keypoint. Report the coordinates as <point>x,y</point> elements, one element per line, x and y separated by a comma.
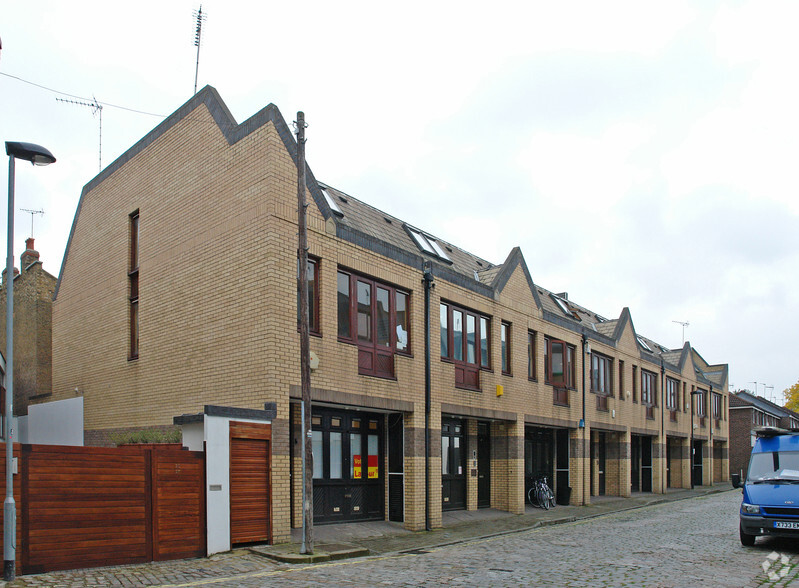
<point>96,108</point>
<point>684,324</point>
<point>198,34</point>
<point>32,213</point>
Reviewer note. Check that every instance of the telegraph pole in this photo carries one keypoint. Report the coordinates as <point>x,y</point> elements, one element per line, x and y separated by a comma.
<point>305,345</point>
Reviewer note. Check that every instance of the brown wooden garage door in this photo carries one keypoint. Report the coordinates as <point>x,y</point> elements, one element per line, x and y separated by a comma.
<point>250,483</point>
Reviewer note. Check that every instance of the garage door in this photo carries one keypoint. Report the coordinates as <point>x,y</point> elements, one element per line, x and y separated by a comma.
<point>250,484</point>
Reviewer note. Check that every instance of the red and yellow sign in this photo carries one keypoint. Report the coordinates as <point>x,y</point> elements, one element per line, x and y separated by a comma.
<point>372,463</point>
<point>356,467</point>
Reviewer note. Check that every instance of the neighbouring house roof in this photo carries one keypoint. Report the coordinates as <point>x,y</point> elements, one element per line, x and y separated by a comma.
<point>744,398</point>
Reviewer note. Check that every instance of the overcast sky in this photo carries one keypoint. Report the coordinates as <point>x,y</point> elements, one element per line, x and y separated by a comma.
<point>640,156</point>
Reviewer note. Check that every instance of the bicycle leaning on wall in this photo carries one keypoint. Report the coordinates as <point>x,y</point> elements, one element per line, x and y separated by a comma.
<point>540,494</point>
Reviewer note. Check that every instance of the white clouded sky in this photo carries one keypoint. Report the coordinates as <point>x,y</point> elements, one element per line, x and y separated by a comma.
<point>640,155</point>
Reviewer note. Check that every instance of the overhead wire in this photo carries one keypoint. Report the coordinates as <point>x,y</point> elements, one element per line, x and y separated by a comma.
<point>81,97</point>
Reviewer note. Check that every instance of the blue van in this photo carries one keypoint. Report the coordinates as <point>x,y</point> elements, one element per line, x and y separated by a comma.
<point>771,490</point>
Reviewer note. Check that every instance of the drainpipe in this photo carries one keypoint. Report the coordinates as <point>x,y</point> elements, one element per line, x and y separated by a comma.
<point>586,446</point>
<point>428,285</point>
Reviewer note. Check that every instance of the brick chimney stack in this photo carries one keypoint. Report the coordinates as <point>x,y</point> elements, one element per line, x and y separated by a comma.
<point>30,255</point>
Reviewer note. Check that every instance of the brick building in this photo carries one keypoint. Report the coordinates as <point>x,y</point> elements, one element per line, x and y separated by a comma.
<point>33,307</point>
<point>747,412</point>
<point>179,290</point>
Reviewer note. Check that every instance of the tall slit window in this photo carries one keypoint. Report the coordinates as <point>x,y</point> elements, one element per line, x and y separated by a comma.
<point>133,284</point>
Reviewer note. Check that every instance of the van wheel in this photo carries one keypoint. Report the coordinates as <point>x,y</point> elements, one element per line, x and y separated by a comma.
<point>746,539</point>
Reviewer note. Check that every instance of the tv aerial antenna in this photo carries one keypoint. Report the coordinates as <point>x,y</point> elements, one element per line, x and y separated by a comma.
<point>198,36</point>
<point>684,324</point>
<point>97,108</point>
<point>32,213</point>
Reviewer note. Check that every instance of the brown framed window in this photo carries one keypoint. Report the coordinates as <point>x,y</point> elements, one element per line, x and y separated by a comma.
<point>559,363</point>
<point>635,383</point>
<point>648,388</point>
<point>684,402</point>
<point>649,392</point>
<point>672,397</point>
<point>133,286</point>
<point>700,403</point>
<point>621,380</point>
<point>375,317</point>
<point>313,295</point>
<point>601,374</point>
<point>531,357</point>
<point>465,340</point>
<point>504,338</point>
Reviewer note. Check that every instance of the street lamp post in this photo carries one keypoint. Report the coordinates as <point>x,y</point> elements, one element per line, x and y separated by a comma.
<point>37,155</point>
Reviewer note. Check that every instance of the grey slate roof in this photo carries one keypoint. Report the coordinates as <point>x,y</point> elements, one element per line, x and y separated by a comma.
<point>744,398</point>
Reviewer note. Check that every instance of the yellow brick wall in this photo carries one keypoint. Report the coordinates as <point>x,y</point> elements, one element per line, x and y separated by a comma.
<point>218,319</point>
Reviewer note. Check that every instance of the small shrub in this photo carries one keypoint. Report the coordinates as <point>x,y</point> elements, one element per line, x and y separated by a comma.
<point>146,436</point>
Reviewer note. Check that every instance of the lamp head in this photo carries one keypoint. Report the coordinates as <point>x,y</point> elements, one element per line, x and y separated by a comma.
<point>36,154</point>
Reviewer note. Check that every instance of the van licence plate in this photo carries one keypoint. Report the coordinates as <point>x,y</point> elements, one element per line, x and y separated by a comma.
<point>786,525</point>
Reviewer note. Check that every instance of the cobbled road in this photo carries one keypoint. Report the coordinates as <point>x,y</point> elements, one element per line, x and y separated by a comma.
<point>684,543</point>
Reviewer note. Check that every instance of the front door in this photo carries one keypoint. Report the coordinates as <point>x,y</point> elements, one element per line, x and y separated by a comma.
<point>483,465</point>
<point>635,463</point>
<point>453,464</point>
<point>602,462</point>
<point>696,470</point>
<point>348,466</point>
<point>646,464</point>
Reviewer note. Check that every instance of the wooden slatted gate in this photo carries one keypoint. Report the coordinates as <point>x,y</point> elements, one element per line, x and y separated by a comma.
<point>250,483</point>
<point>93,506</point>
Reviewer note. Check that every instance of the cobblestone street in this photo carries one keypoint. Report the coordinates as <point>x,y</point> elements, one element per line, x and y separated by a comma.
<point>683,543</point>
<point>688,543</point>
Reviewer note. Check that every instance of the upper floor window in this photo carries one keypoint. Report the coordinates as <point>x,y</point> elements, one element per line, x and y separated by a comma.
<point>531,357</point>
<point>504,335</point>
<point>621,380</point>
<point>465,341</point>
<point>672,394</point>
<point>313,295</point>
<point>559,364</point>
<point>635,383</point>
<point>374,316</point>
<point>133,286</point>
<point>716,406</point>
<point>601,374</point>
<point>648,388</point>
<point>700,403</point>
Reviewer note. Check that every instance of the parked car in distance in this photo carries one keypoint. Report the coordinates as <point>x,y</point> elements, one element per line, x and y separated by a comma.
<point>770,504</point>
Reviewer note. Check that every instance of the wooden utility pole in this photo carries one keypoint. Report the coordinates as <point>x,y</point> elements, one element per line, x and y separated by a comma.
<point>305,344</point>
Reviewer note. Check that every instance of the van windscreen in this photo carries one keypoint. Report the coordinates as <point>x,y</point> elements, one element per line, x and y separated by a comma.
<point>774,466</point>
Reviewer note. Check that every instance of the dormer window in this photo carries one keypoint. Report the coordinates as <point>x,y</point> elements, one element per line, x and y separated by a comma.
<point>331,202</point>
<point>428,244</point>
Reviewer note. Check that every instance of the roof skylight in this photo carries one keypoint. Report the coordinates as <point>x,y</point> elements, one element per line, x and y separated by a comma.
<point>643,343</point>
<point>331,202</point>
<point>428,244</point>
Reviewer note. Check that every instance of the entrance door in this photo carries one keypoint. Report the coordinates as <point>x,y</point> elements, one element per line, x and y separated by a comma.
<point>696,470</point>
<point>396,469</point>
<point>539,450</point>
<point>646,464</point>
<point>635,463</point>
<point>348,466</point>
<point>453,464</point>
<point>602,462</point>
<point>250,489</point>
<point>483,465</point>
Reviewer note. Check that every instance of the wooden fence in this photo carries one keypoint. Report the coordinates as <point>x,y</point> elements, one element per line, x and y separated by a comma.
<point>95,506</point>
